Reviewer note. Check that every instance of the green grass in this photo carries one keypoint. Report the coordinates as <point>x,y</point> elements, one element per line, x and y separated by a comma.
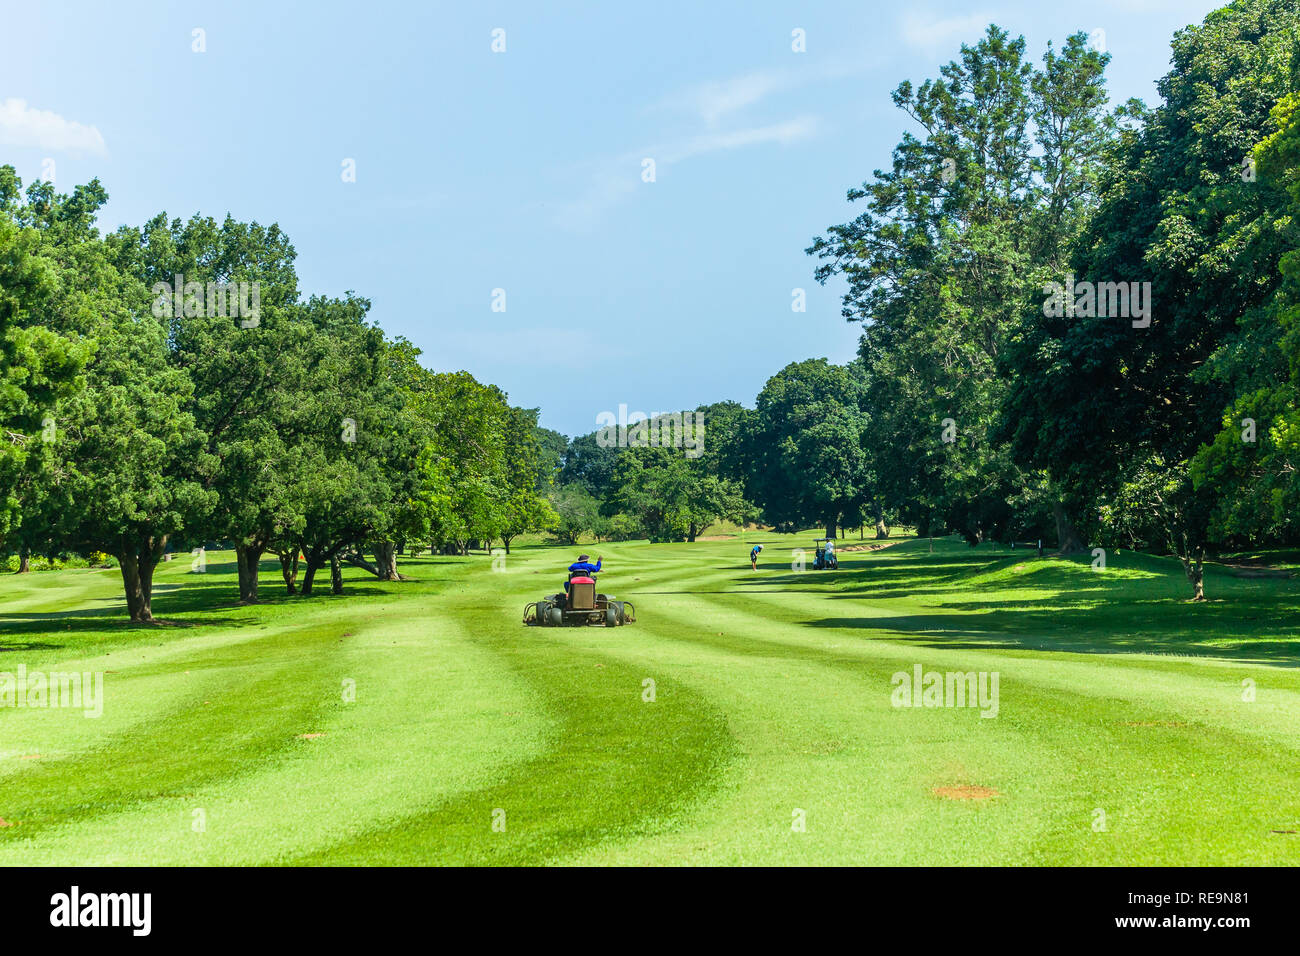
<point>772,695</point>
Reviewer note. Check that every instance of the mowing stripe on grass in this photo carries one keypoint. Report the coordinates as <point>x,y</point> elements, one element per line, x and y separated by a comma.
<point>617,767</point>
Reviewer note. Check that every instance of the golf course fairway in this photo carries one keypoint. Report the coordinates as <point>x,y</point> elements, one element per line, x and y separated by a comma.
<point>747,717</point>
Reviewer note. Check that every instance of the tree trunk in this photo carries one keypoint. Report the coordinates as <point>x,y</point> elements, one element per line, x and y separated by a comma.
<point>24,560</point>
<point>386,561</point>
<point>505,540</point>
<point>137,577</point>
<point>882,529</point>
<point>357,560</point>
<point>830,529</point>
<point>289,569</point>
<point>248,558</point>
<point>336,575</point>
<point>1195,571</point>
<point>131,583</point>
<point>1067,538</point>
<point>308,578</point>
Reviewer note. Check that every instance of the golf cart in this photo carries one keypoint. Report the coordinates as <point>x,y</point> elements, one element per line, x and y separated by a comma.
<point>825,556</point>
<point>581,605</point>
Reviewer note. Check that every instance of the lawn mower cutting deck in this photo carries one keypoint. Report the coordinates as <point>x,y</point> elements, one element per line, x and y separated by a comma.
<point>580,606</point>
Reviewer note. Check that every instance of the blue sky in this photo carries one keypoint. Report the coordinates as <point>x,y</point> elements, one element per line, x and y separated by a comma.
<point>522,170</point>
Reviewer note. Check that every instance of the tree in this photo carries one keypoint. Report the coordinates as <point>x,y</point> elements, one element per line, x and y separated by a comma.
<point>464,468</point>
<point>403,437</point>
<point>670,496</point>
<point>589,464</point>
<point>1252,466</point>
<point>128,457</point>
<point>808,440</point>
<point>344,476</point>
<point>551,448</point>
<point>577,512</point>
<point>524,509</point>
<point>38,368</point>
<point>939,264</point>
<point>1117,402</point>
<point>247,369</point>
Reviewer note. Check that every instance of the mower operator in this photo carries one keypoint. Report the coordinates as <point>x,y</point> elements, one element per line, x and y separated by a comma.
<point>583,566</point>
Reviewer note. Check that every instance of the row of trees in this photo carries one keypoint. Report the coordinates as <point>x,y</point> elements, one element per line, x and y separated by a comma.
<point>990,399</point>
<point>996,411</point>
<point>141,414</point>
<point>627,488</point>
<point>804,456</point>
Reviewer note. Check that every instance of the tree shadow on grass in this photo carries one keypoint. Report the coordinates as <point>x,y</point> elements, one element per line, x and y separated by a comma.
<point>26,646</point>
<point>954,633</point>
<point>108,620</point>
<point>968,601</point>
<point>180,606</point>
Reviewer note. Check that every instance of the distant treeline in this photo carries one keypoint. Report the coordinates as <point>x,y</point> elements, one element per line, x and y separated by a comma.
<point>1080,322</point>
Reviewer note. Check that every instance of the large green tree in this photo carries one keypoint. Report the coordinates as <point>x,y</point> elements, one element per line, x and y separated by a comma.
<point>247,369</point>
<point>1120,408</point>
<point>938,266</point>
<point>808,442</point>
<point>38,369</point>
<point>128,459</point>
<point>1252,467</point>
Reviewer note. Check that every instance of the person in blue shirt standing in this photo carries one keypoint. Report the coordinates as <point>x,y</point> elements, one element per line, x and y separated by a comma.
<point>753,556</point>
<point>583,566</point>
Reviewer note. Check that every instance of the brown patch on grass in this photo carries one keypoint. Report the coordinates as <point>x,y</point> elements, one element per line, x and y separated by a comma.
<point>310,736</point>
<point>966,792</point>
<point>14,823</point>
<point>1154,723</point>
<point>30,757</point>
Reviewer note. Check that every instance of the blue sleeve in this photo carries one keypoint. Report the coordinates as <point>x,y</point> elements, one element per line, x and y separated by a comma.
<point>597,567</point>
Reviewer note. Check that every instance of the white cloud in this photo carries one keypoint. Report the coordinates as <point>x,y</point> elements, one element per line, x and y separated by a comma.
<point>934,34</point>
<point>785,133</point>
<point>712,101</point>
<point>21,125</point>
<point>717,99</point>
<point>614,181</point>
